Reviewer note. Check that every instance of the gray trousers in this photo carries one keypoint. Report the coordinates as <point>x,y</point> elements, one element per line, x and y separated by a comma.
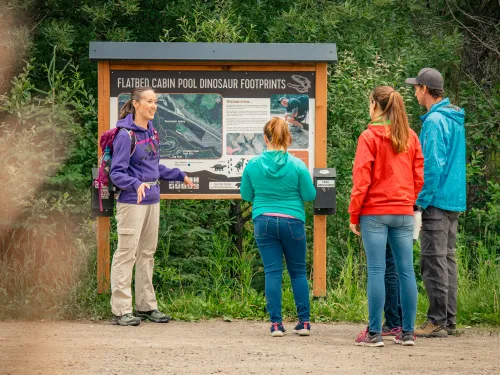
<point>137,240</point>
<point>438,264</point>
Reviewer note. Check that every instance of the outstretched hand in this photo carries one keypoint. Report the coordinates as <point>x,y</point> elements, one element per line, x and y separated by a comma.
<point>188,182</point>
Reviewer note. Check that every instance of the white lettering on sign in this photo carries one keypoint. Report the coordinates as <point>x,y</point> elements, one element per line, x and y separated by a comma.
<point>163,83</point>
<point>262,84</point>
<point>186,83</point>
<point>209,83</point>
<point>128,83</point>
<point>325,183</point>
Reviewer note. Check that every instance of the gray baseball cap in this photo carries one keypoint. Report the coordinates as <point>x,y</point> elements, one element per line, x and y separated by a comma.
<point>429,77</point>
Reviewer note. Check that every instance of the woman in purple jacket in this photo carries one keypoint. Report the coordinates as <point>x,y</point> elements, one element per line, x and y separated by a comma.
<point>137,174</point>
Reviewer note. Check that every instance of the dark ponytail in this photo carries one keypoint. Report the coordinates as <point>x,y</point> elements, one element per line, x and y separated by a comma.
<point>392,105</point>
<point>136,95</point>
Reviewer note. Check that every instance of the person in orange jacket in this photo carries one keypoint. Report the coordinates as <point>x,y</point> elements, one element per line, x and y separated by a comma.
<point>387,177</point>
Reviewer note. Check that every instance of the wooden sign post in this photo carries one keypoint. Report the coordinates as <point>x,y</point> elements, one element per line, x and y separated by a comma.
<point>213,101</point>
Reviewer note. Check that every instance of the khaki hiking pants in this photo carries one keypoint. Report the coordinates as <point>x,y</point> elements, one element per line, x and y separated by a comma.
<point>137,240</point>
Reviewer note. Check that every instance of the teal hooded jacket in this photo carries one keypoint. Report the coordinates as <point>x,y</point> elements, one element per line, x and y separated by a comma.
<point>277,182</point>
<point>443,145</point>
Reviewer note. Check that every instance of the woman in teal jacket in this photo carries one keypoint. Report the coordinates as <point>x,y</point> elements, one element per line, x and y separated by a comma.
<point>277,183</point>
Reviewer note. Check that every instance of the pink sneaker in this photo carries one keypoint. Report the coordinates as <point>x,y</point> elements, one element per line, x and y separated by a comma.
<point>405,339</point>
<point>386,331</point>
<point>365,339</point>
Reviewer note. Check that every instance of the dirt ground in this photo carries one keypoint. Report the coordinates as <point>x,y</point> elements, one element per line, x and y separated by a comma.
<point>217,347</point>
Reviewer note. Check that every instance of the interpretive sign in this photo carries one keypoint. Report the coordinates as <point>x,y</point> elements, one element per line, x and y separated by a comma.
<point>213,102</point>
<point>211,123</point>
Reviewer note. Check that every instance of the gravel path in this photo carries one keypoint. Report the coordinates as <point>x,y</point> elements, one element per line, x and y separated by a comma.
<point>216,347</point>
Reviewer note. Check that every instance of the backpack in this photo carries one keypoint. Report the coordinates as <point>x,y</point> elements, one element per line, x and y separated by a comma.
<point>102,187</point>
<point>103,190</point>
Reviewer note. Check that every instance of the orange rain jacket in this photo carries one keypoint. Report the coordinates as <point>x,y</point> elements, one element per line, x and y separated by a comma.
<point>385,183</point>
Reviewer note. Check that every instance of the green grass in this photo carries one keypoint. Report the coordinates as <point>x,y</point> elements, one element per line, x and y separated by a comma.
<point>233,297</point>
<point>479,283</point>
<point>226,287</point>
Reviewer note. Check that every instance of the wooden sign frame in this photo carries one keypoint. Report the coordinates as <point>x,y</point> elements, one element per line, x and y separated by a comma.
<point>116,62</point>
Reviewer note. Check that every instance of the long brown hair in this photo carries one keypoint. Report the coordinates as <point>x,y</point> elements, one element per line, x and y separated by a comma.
<point>393,108</point>
<point>136,95</point>
<point>277,132</point>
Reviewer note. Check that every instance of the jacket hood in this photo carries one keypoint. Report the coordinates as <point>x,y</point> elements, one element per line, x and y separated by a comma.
<point>272,163</point>
<point>128,123</point>
<point>449,110</point>
<point>379,130</point>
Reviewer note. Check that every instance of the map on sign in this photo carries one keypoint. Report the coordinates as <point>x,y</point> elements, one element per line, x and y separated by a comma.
<point>189,125</point>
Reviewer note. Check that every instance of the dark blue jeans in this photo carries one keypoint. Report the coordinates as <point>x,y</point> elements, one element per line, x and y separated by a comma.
<point>392,307</point>
<point>278,236</point>
<point>376,230</point>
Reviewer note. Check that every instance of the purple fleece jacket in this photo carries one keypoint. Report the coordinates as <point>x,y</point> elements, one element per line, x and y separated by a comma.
<point>128,172</point>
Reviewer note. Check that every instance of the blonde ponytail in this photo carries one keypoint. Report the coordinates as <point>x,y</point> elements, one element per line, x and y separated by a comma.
<point>278,133</point>
<point>400,128</point>
<point>393,108</point>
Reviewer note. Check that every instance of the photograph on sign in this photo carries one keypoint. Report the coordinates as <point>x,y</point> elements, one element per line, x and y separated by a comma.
<point>245,143</point>
<point>210,123</point>
<point>294,109</point>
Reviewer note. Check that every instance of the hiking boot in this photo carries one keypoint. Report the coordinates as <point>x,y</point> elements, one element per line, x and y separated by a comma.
<point>303,329</point>
<point>429,329</point>
<point>405,339</point>
<point>277,330</point>
<point>365,339</point>
<point>154,316</point>
<point>386,331</point>
<point>126,320</point>
<point>451,329</point>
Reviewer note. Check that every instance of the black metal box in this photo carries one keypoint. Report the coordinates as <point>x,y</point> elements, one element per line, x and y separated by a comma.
<point>325,184</point>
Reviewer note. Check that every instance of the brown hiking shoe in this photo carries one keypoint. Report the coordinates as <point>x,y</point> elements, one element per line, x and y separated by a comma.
<point>429,329</point>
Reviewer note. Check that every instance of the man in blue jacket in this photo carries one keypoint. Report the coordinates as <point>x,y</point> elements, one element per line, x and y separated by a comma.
<point>442,198</point>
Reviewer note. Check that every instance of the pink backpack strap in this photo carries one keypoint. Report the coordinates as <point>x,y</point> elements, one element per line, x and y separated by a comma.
<point>156,136</point>
<point>150,140</point>
<point>100,178</point>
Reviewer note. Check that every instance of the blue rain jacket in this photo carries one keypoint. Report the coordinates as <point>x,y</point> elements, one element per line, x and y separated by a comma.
<point>443,145</point>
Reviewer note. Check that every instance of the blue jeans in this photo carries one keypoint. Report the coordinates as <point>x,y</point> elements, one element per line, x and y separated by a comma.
<point>275,237</point>
<point>392,306</point>
<point>376,230</point>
